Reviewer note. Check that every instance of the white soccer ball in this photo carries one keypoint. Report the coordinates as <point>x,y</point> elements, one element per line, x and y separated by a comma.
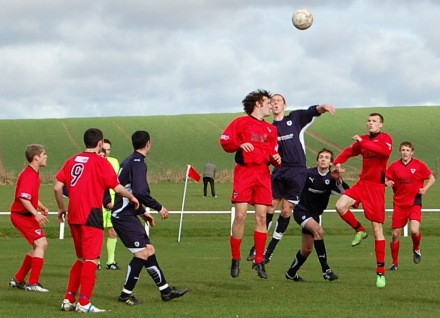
<point>302,19</point>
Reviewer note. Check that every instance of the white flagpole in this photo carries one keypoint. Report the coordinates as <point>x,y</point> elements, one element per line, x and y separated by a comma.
<point>183,202</point>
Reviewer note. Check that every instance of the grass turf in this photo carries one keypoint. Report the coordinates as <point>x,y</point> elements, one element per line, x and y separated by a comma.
<point>201,263</point>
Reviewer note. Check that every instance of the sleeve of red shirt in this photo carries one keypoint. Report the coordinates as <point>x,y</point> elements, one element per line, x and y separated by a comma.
<point>347,153</point>
<point>229,139</point>
<point>383,146</point>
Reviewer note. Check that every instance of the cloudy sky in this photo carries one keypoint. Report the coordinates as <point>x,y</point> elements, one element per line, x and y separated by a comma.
<point>77,58</point>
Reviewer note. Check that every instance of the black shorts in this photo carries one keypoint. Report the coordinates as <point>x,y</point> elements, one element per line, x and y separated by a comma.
<point>288,182</point>
<point>130,230</point>
<point>301,215</point>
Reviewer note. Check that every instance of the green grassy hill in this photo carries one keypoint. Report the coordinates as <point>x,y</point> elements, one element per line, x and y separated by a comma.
<point>194,139</point>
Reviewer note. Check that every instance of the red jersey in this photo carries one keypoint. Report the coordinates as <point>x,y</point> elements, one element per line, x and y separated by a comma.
<point>375,150</point>
<point>408,179</point>
<point>28,188</point>
<point>262,135</point>
<point>86,176</point>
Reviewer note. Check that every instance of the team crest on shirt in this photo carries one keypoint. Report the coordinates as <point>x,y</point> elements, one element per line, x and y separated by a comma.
<point>327,181</point>
<point>289,123</point>
<point>38,232</point>
<point>413,170</point>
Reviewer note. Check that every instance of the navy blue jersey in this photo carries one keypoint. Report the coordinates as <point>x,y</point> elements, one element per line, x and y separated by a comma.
<point>133,176</point>
<point>316,192</point>
<point>291,129</point>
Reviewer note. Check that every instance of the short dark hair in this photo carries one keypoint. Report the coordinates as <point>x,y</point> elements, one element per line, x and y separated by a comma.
<point>252,98</point>
<point>139,139</point>
<point>406,144</point>
<point>377,114</point>
<point>325,150</point>
<point>107,141</point>
<point>92,136</point>
<point>33,150</point>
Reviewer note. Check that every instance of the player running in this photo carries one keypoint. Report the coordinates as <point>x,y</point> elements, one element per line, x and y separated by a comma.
<point>407,177</point>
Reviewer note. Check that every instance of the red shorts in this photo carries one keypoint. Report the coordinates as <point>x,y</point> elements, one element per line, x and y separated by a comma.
<point>28,226</point>
<point>252,184</point>
<point>87,241</point>
<point>402,214</point>
<point>372,197</point>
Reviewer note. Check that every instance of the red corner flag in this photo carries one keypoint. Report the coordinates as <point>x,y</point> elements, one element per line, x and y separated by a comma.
<point>193,174</point>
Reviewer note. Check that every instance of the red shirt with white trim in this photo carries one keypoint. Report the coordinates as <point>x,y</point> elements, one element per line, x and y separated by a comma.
<point>408,179</point>
<point>375,150</point>
<point>86,176</point>
<point>28,188</point>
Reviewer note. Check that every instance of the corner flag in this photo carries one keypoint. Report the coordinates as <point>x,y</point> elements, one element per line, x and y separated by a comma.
<point>193,174</point>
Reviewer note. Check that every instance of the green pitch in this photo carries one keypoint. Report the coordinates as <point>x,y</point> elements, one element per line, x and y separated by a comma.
<point>201,263</point>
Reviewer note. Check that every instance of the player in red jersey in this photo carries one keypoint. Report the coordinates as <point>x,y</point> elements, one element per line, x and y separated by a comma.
<point>375,149</point>
<point>255,144</point>
<point>86,175</point>
<point>26,218</point>
<point>407,177</point>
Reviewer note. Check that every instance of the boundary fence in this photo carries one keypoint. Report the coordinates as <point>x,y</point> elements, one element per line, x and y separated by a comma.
<point>231,212</point>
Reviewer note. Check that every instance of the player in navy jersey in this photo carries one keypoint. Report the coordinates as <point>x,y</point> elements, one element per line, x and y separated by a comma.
<point>29,215</point>
<point>86,176</point>
<point>320,184</point>
<point>133,175</point>
<point>288,180</point>
<point>254,142</point>
<point>375,149</point>
<point>407,177</point>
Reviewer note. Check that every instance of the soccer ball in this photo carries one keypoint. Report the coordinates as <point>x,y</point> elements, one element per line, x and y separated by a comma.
<point>302,19</point>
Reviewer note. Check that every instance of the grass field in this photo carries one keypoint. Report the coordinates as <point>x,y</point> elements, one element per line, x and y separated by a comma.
<point>201,262</point>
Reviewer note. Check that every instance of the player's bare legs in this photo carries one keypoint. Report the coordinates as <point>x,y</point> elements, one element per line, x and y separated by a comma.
<point>343,208</point>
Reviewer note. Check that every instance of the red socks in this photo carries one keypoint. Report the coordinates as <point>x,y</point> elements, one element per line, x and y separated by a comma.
<point>351,220</point>
<point>37,266</point>
<point>74,280</point>
<point>87,281</point>
<point>260,239</point>
<point>235,248</point>
<point>416,241</point>
<point>24,269</point>
<point>379,248</point>
<point>395,252</point>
